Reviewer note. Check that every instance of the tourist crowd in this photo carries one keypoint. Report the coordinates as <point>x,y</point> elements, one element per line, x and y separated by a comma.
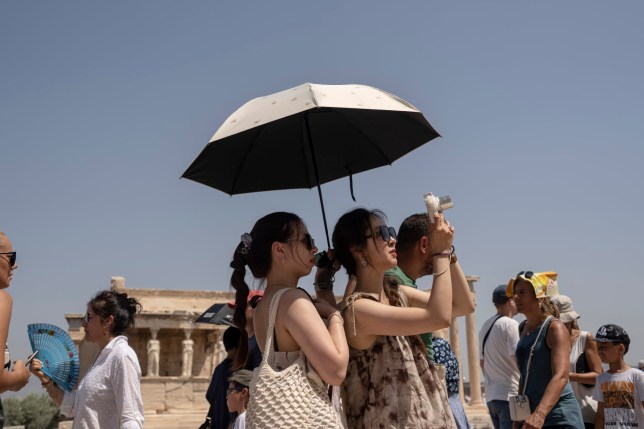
<point>375,359</point>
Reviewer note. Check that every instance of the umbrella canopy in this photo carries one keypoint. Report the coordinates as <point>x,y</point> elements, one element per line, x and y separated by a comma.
<point>309,135</point>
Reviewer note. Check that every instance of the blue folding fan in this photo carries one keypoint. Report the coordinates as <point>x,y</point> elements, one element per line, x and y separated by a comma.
<point>57,352</point>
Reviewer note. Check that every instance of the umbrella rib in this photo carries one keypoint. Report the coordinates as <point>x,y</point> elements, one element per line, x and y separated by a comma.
<point>369,139</point>
<point>245,158</point>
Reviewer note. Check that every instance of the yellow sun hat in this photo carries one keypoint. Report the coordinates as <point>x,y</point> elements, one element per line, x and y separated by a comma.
<point>544,284</point>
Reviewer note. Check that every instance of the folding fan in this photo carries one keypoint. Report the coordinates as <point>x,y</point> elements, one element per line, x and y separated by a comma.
<point>57,352</point>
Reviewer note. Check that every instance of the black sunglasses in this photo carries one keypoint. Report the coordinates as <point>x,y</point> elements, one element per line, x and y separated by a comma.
<point>308,241</point>
<point>526,274</point>
<point>386,232</point>
<point>12,257</point>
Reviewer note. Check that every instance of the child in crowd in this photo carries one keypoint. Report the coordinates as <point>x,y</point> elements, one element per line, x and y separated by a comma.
<point>620,391</point>
<point>238,395</point>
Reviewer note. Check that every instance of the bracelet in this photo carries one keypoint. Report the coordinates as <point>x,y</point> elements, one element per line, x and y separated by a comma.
<point>453,258</point>
<point>341,321</point>
<point>46,384</point>
<point>324,285</point>
<point>442,255</point>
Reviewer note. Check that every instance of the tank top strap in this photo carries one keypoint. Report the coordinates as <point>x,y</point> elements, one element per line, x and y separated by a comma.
<point>348,304</point>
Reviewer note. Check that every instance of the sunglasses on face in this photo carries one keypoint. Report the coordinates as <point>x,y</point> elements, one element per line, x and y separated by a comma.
<point>308,241</point>
<point>386,232</point>
<point>254,301</point>
<point>12,257</point>
<point>87,317</point>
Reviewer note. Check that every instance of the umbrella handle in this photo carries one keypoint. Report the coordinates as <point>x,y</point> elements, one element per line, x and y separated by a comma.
<point>317,176</point>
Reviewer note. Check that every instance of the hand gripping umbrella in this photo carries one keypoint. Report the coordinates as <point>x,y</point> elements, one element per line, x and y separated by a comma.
<point>309,135</point>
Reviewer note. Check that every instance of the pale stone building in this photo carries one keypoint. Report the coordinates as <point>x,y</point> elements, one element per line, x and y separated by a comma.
<point>178,356</point>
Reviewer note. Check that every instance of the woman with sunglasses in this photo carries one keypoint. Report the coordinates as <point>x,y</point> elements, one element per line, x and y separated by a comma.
<point>544,376</point>
<point>279,251</point>
<point>390,382</point>
<point>16,378</point>
<point>109,395</point>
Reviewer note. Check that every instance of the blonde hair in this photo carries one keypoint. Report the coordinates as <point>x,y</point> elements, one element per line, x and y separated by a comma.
<point>548,308</point>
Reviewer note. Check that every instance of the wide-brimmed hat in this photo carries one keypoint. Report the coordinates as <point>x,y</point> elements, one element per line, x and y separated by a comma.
<point>241,377</point>
<point>544,283</point>
<point>566,312</point>
<point>251,297</point>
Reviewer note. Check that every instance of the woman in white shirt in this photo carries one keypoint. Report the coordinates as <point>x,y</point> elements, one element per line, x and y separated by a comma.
<point>109,396</point>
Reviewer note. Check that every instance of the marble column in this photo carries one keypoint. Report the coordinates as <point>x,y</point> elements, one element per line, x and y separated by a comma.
<point>187,353</point>
<point>154,349</point>
<point>473,354</point>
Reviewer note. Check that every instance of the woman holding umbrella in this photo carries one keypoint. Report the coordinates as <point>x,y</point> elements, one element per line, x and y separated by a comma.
<point>280,251</point>
<point>390,382</point>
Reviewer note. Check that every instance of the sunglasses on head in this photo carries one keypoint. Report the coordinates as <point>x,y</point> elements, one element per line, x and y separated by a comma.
<point>12,257</point>
<point>254,301</point>
<point>308,241</point>
<point>526,274</point>
<point>386,232</point>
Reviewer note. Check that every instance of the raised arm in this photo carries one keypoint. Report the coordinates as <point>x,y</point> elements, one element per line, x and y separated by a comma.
<point>325,347</point>
<point>462,297</point>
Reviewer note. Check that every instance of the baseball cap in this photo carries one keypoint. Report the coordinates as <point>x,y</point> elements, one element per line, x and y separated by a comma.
<point>252,294</point>
<point>612,333</point>
<point>564,304</point>
<point>499,296</point>
<point>241,377</point>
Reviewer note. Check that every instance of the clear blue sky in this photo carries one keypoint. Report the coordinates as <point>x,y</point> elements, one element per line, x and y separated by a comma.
<point>104,104</point>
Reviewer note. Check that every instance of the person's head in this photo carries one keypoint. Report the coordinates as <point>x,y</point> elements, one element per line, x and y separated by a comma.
<point>280,243</point>
<point>640,364</point>
<point>612,343</point>
<point>412,243</point>
<point>231,338</point>
<point>531,292</point>
<point>109,314</point>
<point>504,304</point>
<point>362,240</point>
<point>567,314</point>
<point>7,261</point>
<point>238,391</point>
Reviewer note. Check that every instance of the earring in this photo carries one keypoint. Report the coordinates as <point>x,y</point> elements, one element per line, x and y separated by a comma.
<point>282,258</point>
<point>363,264</point>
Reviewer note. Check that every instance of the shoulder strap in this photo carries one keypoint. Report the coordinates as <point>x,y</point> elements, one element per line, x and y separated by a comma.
<point>348,305</point>
<point>534,345</point>
<point>268,346</point>
<point>487,334</point>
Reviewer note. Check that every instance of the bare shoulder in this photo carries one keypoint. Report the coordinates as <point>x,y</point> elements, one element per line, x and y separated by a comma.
<point>5,298</point>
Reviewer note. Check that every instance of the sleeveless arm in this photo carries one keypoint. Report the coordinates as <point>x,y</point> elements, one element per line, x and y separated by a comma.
<point>325,347</point>
<point>593,361</point>
<point>558,341</point>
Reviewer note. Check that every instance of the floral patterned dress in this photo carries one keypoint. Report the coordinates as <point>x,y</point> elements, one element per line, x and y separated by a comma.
<point>392,385</point>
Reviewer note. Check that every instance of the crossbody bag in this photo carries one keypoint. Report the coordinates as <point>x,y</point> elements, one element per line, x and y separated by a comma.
<point>520,404</point>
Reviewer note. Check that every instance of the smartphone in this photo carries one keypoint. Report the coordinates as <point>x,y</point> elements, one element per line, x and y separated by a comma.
<point>31,357</point>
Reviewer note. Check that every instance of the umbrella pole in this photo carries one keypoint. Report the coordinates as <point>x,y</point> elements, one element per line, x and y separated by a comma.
<point>317,177</point>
